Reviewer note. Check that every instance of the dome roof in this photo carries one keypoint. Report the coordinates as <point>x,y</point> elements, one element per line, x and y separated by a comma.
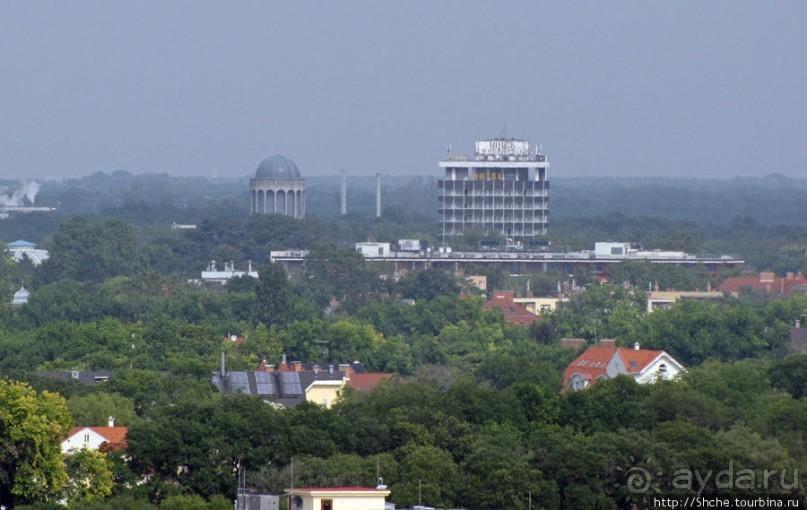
<point>277,167</point>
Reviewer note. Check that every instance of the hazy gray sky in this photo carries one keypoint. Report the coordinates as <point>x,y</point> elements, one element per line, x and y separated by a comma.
<point>649,88</point>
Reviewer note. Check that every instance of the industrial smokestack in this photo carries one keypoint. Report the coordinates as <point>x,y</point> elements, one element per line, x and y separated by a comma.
<point>344,192</point>
<point>377,195</point>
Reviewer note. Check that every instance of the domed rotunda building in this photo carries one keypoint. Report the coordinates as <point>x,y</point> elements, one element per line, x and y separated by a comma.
<point>278,188</point>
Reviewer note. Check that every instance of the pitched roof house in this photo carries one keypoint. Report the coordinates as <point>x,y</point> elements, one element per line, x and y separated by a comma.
<point>95,438</point>
<point>606,361</point>
<point>290,384</point>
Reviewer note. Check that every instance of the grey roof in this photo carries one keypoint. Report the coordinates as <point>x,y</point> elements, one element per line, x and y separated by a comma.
<point>286,388</point>
<point>82,376</point>
<point>277,167</point>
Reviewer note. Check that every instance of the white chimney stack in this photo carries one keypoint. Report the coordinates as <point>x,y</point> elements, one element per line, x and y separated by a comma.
<point>636,346</point>
<point>111,422</point>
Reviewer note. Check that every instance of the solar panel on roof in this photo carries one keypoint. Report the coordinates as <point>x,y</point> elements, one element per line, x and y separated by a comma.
<point>264,383</point>
<point>290,384</point>
<point>633,364</point>
<point>239,383</point>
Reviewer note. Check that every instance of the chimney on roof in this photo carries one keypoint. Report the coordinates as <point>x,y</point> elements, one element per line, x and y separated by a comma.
<point>797,325</point>
<point>223,372</point>
<point>345,369</point>
<point>330,369</point>
<point>635,346</point>
<point>296,366</point>
<point>608,342</point>
<point>111,421</point>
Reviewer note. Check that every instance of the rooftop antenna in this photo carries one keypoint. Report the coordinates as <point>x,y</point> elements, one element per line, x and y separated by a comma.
<point>448,151</point>
<point>504,130</point>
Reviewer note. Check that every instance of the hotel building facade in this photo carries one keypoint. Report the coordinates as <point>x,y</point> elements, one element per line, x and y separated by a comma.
<point>502,191</point>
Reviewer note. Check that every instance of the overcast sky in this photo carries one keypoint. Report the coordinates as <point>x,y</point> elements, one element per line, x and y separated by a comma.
<point>687,88</point>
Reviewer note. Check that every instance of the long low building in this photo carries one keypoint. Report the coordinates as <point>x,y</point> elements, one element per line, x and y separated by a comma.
<point>522,262</point>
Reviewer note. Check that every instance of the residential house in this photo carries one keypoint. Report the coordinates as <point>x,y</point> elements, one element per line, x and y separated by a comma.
<point>606,361</point>
<point>539,305</point>
<point>95,438</point>
<point>289,384</point>
<point>514,313</point>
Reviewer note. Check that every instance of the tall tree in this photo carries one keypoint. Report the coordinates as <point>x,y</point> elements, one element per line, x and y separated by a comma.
<point>274,305</point>
<point>31,426</point>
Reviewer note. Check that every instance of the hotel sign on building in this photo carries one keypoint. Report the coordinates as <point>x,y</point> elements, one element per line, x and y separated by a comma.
<point>503,148</point>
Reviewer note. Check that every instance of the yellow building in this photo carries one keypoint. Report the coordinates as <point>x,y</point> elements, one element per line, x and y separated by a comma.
<point>539,305</point>
<point>338,498</point>
<point>665,298</point>
<point>324,392</point>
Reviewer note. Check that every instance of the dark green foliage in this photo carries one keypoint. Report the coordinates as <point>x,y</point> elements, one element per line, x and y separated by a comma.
<point>274,299</point>
<point>88,252</point>
<point>427,284</point>
<point>338,276</point>
<point>790,374</point>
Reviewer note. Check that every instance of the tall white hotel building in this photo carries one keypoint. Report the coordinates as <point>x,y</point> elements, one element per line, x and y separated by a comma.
<point>502,190</point>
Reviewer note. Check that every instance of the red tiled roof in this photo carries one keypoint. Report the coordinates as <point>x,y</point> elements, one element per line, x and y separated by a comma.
<point>765,281</point>
<point>514,313</point>
<point>366,382</point>
<point>640,357</point>
<point>591,364</point>
<point>115,436</point>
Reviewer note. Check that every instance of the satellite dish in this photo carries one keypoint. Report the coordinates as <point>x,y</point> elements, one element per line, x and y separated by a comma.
<point>297,502</point>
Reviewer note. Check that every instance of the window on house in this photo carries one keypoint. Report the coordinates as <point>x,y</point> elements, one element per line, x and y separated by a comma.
<point>86,438</point>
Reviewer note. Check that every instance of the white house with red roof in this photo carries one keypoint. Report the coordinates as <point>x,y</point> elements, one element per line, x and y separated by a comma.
<point>95,438</point>
<point>606,361</point>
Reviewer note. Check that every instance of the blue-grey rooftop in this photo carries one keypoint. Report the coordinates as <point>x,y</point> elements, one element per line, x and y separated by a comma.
<point>277,167</point>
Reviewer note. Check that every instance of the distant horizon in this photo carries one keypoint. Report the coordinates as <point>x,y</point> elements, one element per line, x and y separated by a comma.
<point>771,176</point>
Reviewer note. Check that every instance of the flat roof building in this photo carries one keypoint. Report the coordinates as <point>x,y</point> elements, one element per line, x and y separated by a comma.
<point>502,191</point>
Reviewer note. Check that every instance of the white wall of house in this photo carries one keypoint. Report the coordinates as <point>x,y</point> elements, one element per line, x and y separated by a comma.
<point>86,437</point>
